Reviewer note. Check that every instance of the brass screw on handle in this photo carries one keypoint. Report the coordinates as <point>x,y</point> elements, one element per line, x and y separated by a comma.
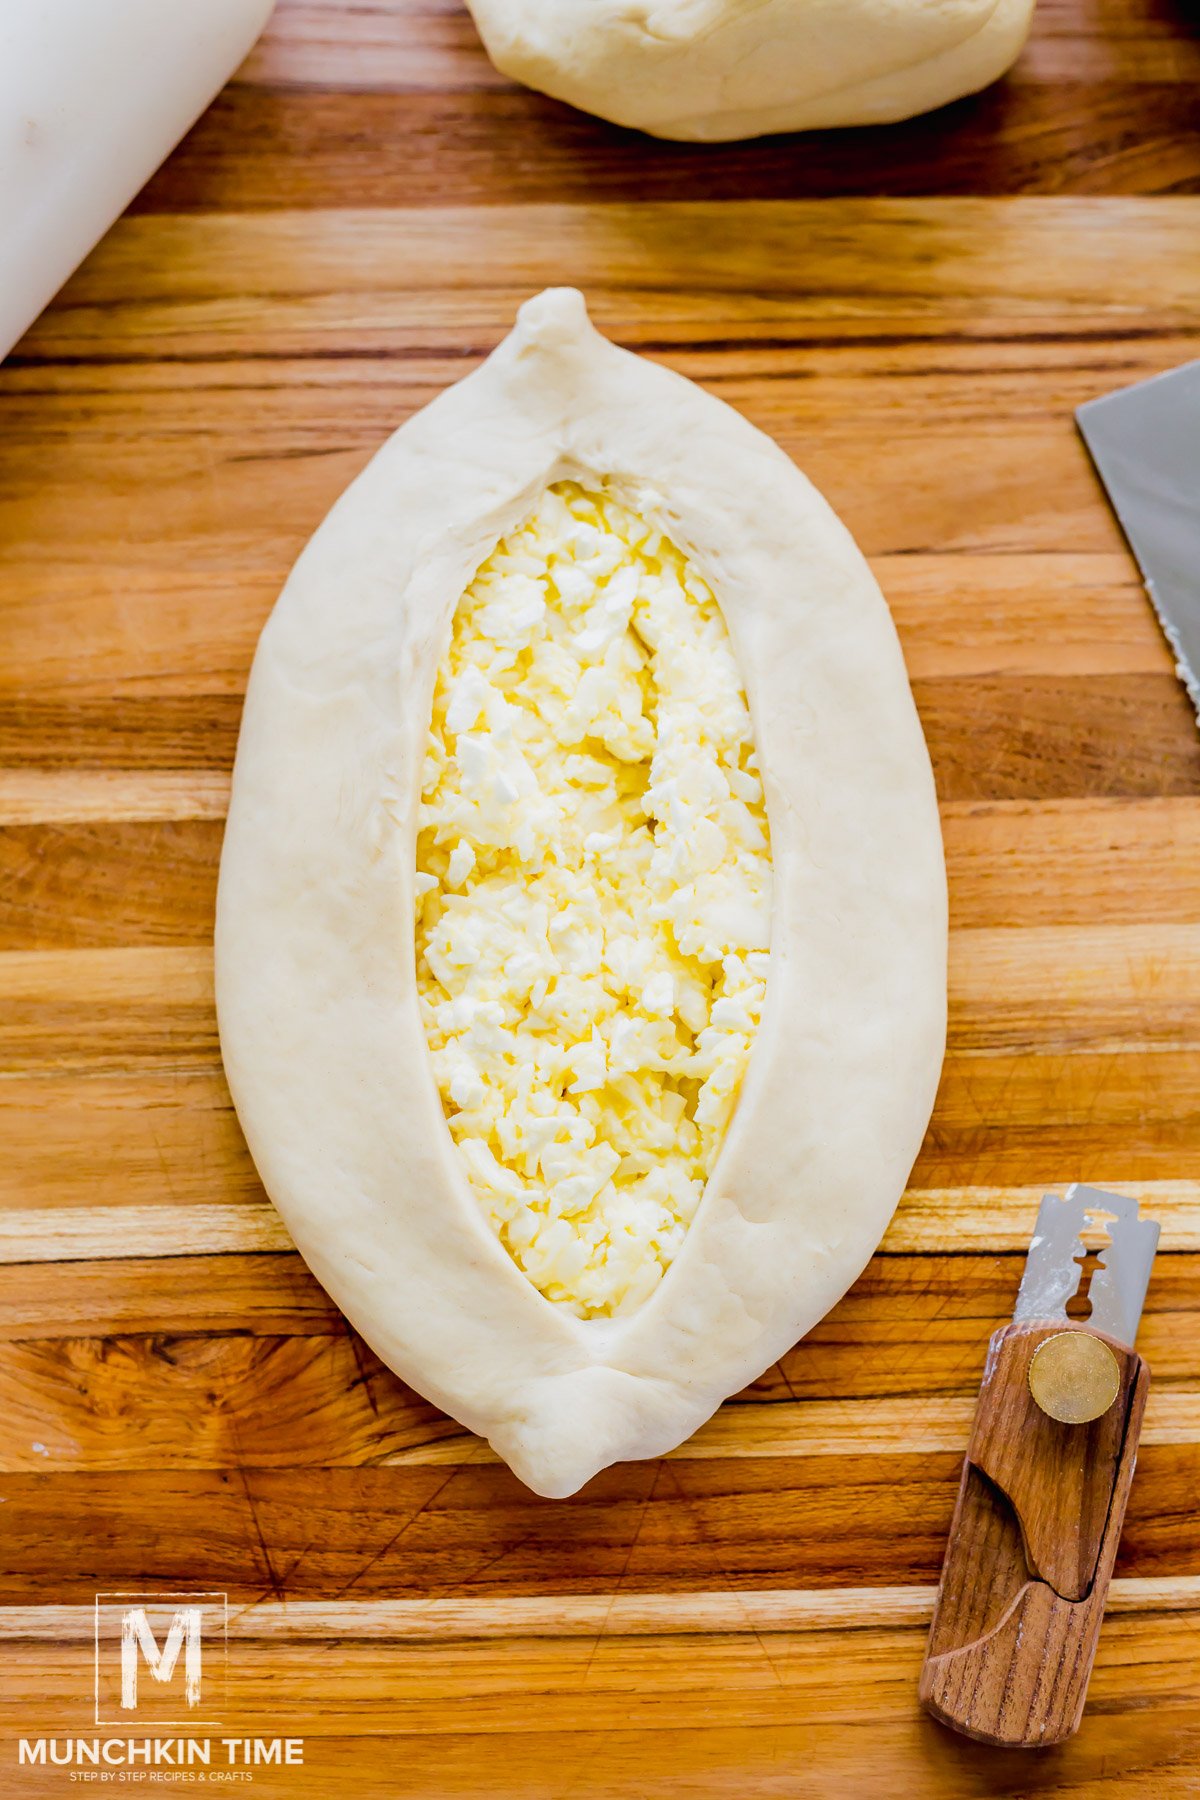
<point>1074,1377</point>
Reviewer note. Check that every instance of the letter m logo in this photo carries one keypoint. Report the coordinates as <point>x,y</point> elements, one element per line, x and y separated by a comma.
<point>160,1658</point>
<point>138,1640</point>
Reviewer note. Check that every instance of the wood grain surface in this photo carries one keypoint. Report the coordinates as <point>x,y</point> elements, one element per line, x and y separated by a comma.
<point>914,314</point>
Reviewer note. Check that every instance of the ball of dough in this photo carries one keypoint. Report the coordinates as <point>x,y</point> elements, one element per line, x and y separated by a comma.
<point>716,69</point>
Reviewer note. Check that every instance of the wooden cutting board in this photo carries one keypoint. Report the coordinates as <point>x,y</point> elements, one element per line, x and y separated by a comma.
<point>913,314</point>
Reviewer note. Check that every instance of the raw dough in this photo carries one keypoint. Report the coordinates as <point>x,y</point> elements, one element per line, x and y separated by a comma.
<point>717,69</point>
<point>316,978</point>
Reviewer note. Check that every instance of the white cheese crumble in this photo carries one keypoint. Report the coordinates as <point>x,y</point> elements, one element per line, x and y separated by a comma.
<point>593,895</point>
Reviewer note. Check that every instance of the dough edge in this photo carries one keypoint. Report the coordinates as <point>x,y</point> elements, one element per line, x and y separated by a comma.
<point>711,86</point>
<point>315,972</point>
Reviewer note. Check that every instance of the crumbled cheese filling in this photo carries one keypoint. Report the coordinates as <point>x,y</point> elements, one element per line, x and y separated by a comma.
<point>593,895</point>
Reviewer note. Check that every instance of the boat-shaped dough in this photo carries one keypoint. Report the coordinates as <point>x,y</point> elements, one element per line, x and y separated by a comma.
<point>717,69</point>
<point>317,978</point>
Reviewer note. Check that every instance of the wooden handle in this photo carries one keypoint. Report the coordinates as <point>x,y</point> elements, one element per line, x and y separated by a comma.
<point>1031,1551</point>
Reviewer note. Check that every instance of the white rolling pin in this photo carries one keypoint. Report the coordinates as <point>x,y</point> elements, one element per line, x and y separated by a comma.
<point>93,95</point>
